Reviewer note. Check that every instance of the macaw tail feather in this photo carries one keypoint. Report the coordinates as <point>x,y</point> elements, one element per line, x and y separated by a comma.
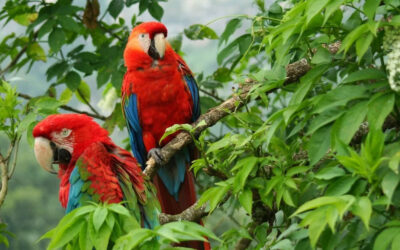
<point>186,198</point>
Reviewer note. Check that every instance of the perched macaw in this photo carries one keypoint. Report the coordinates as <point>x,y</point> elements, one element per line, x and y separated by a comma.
<point>159,91</point>
<point>92,167</point>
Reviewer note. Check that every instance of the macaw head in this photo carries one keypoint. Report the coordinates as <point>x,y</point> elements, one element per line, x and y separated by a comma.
<point>62,138</point>
<point>147,42</point>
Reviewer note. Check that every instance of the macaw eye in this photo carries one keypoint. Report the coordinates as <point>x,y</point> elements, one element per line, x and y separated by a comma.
<point>144,41</point>
<point>65,132</point>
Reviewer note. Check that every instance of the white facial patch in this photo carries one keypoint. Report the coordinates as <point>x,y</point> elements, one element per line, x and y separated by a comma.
<point>63,139</point>
<point>159,43</point>
<point>144,41</point>
<point>44,153</point>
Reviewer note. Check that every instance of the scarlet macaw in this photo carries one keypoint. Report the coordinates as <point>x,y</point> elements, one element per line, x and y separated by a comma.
<point>92,167</point>
<point>159,91</point>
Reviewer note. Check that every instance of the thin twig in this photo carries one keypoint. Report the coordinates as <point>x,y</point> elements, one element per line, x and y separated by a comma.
<point>14,162</point>
<point>88,103</point>
<point>68,108</point>
<point>211,94</point>
<point>14,61</point>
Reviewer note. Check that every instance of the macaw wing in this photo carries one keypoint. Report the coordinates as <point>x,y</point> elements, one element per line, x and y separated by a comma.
<point>93,179</point>
<point>191,85</point>
<point>136,191</point>
<point>130,109</point>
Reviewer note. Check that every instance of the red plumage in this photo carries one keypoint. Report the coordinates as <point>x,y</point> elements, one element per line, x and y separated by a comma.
<point>163,99</point>
<point>91,145</point>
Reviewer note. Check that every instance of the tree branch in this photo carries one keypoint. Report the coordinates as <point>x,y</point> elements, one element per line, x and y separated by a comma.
<point>14,61</point>
<point>68,108</point>
<point>4,162</point>
<point>88,103</point>
<point>211,94</point>
<point>192,213</point>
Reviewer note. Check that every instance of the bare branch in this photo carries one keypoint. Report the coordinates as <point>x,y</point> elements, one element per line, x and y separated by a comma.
<point>14,162</point>
<point>192,213</point>
<point>211,94</point>
<point>4,180</point>
<point>68,108</point>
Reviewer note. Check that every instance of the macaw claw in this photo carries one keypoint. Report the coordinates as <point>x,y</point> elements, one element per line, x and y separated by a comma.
<point>157,156</point>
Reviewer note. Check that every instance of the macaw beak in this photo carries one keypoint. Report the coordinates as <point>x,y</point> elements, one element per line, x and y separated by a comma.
<point>157,47</point>
<point>47,154</point>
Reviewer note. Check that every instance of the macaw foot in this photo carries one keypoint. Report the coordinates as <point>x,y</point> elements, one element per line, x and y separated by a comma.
<point>157,156</point>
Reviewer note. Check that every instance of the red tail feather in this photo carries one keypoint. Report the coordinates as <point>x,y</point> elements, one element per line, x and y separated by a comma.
<point>187,197</point>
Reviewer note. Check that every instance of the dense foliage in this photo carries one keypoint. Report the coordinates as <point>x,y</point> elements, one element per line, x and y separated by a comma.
<point>309,163</point>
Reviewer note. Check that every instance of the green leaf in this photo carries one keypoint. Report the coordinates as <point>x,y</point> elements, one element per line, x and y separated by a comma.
<point>143,4</point>
<point>46,27</point>
<point>347,125</point>
<point>352,37</point>
<point>341,186</point>
<point>313,8</point>
<point>156,10</point>
<point>65,96</point>
<point>365,74</point>
<point>56,69</point>
<point>362,207</point>
<point>328,173</point>
<point>362,45</point>
<point>66,233</point>
<point>73,80</point>
<point>115,7</point>
<point>339,97</point>
<point>297,170</point>
<point>386,237</point>
<point>199,32</point>
<point>246,165</point>
<point>214,195</point>
<point>36,52</point>
<point>83,92</point>
<point>322,56</point>
<point>56,39</point>
<point>227,51</point>
<point>229,30</point>
<point>306,82</point>
<point>175,128</point>
<point>26,122</point>
<point>389,184</point>
<point>102,237</point>
<point>119,209</point>
<point>324,118</point>
<point>47,104</point>
<point>246,200</point>
<point>326,200</point>
<point>133,239</point>
<point>370,7</point>
<point>68,23</point>
<point>318,144</point>
<point>394,163</point>
<point>26,18</point>
<point>331,7</point>
<point>379,107</point>
<point>99,216</point>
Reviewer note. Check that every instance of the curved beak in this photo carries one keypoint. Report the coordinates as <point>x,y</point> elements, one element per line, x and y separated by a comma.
<point>157,46</point>
<point>44,154</point>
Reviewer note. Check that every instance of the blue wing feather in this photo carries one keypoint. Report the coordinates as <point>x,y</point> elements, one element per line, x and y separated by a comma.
<point>75,190</point>
<point>135,130</point>
<point>194,91</point>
